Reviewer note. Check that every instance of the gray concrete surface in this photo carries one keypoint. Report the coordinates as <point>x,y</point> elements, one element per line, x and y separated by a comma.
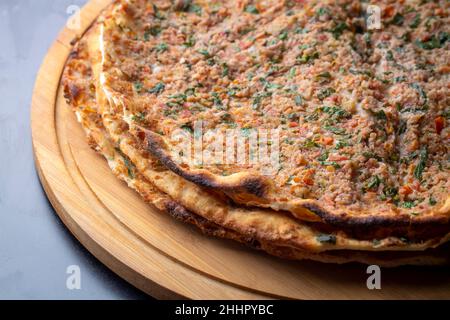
<point>35,247</point>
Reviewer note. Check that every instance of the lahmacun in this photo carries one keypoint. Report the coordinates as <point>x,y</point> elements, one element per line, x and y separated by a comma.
<point>363,132</point>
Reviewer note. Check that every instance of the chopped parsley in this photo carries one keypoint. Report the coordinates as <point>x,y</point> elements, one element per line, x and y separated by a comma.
<point>178,99</point>
<point>371,155</point>
<point>421,92</point>
<point>322,11</point>
<point>216,100</point>
<point>228,119</point>
<point>338,30</point>
<point>158,88</point>
<point>190,41</point>
<point>335,113</point>
<point>204,53</point>
<point>432,201</point>
<point>225,70</point>
<point>398,19</point>
<point>408,204</point>
<point>389,55</point>
<point>298,100</point>
<point>258,97</point>
<point>380,115</point>
<point>423,157</point>
<point>399,79</point>
<point>140,117</point>
<point>195,9</point>
<point>246,131</point>
<point>324,75</point>
<point>127,162</point>
<point>331,163</point>
<point>325,93</point>
<point>305,58</point>
<point>335,130</point>
<point>323,156</point>
<point>434,42</point>
<point>251,9</point>
<point>161,47</point>
<point>391,193</point>
<point>373,183</point>
<point>283,35</point>
<point>341,144</point>
<point>292,72</point>
<point>157,14</point>
<point>309,143</point>
<point>402,127</point>
<point>416,21</point>
<point>187,127</point>
<point>137,86</point>
<point>152,31</point>
<point>361,72</point>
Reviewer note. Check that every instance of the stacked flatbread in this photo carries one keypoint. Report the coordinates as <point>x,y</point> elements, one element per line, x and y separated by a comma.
<point>356,121</point>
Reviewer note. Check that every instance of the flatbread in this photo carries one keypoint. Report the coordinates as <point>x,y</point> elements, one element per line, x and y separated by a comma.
<point>261,224</point>
<point>271,231</point>
<point>167,65</point>
<point>81,95</point>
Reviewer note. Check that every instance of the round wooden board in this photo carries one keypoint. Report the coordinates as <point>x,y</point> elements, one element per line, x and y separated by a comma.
<point>156,253</point>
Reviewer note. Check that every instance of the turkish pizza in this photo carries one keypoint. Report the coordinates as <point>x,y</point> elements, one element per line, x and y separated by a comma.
<point>308,129</point>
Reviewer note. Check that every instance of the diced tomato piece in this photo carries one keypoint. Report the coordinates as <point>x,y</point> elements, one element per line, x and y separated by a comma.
<point>444,69</point>
<point>416,185</point>
<point>337,157</point>
<point>439,123</point>
<point>245,44</point>
<point>405,190</point>
<point>293,124</point>
<point>308,181</point>
<point>322,37</point>
<point>327,140</point>
<point>388,11</point>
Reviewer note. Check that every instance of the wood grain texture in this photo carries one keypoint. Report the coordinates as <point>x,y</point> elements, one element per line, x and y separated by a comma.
<point>158,254</point>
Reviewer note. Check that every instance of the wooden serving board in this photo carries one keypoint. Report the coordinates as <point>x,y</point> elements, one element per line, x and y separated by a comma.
<point>156,253</point>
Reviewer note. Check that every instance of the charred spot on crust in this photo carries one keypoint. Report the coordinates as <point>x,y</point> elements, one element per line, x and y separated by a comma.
<point>372,227</point>
<point>74,54</point>
<point>74,41</point>
<point>141,135</point>
<point>72,92</point>
<point>254,186</point>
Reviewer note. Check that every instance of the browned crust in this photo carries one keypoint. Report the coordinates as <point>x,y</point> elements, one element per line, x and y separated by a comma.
<point>249,186</point>
<point>386,259</point>
<point>255,188</point>
<point>207,227</point>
